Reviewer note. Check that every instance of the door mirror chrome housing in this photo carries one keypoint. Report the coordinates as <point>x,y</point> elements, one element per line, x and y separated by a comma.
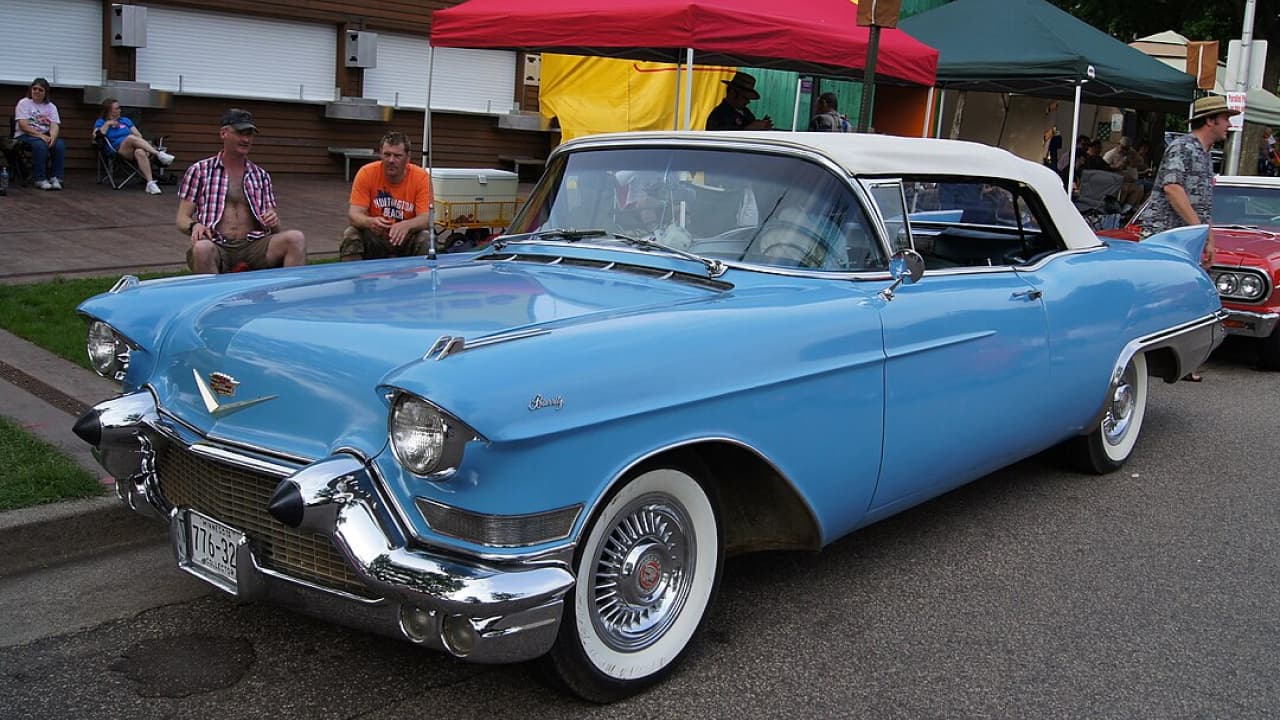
<point>906,267</point>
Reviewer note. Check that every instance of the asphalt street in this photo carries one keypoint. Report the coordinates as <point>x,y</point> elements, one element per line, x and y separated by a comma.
<point>1032,593</point>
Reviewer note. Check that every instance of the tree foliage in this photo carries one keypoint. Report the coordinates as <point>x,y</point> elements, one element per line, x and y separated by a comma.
<point>1196,19</point>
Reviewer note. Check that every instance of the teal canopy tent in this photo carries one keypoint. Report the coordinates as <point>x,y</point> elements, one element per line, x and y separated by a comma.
<point>1033,48</point>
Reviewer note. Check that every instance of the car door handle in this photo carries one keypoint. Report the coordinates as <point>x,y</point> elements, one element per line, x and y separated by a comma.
<point>1028,294</point>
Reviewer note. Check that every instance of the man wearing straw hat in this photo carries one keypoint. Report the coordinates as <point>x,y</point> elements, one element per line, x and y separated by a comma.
<point>732,112</point>
<point>1183,190</point>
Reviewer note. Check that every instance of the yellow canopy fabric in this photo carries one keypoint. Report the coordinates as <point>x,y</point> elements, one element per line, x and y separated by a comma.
<point>593,95</point>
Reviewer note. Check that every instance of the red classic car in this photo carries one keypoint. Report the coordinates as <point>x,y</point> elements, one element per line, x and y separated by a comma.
<point>1246,269</point>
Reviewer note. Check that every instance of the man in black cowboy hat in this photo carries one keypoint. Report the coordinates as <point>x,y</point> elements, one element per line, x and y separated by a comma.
<point>732,112</point>
<point>1182,193</point>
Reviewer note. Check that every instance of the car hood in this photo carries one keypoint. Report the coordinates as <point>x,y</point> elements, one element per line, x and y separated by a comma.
<point>305,358</point>
<point>1246,247</point>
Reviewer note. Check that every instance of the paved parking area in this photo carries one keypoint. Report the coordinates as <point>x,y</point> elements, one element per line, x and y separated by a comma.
<point>90,229</point>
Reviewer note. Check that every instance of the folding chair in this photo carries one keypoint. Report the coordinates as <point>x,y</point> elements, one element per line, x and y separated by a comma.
<point>114,169</point>
<point>18,156</point>
<point>1099,198</point>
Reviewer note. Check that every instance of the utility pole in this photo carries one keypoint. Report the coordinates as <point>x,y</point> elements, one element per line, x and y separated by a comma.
<point>1241,85</point>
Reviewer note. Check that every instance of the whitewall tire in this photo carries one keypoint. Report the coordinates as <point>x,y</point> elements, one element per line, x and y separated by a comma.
<point>647,572</point>
<point>1109,446</point>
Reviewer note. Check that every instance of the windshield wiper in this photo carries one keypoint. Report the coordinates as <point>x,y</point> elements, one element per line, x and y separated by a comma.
<point>715,268</point>
<point>1235,227</point>
<point>566,234</point>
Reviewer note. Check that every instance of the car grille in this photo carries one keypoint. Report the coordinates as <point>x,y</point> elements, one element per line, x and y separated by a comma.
<point>238,497</point>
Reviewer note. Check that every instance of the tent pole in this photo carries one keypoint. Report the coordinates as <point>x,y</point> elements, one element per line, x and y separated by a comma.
<point>795,113</point>
<point>426,154</point>
<point>928,114</point>
<point>688,89</point>
<point>942,106</point>
<point>1075,133</point>
<point>675,118</point>
<point>426,112</point>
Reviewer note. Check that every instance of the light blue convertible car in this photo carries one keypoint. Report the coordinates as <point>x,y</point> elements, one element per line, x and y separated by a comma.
<point>689,345</point>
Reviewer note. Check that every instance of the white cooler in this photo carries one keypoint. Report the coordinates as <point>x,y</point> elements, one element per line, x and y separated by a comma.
<point>474,192</point>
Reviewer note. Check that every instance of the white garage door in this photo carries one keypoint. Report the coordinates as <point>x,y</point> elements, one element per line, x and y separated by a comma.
<point>475,81</point>
<point>66,49</point>
<point>204,53</point>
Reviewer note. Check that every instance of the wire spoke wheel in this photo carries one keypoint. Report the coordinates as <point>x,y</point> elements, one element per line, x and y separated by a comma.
<point>643,573</point>
<point>647,570</point>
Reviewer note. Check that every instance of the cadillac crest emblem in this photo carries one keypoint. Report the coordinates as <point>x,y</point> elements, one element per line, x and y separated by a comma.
<point>223,384</point>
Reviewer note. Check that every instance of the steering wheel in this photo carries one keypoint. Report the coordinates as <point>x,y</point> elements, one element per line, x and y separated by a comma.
<point>1275,219</point>
<point>786,241</point>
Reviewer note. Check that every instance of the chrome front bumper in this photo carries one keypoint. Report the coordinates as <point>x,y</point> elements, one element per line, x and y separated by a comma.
<point>1251,324</point>
<point>483,612</point>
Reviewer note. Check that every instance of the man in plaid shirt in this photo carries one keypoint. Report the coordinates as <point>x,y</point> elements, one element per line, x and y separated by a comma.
<point>227,207</point>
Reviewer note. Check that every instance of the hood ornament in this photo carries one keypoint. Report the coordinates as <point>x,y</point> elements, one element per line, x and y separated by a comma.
<point>224,385</point>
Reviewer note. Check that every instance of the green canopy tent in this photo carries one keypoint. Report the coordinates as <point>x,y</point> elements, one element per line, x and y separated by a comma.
<point>1033,48</point>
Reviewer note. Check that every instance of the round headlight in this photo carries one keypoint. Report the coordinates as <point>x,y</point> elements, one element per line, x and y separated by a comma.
<point>418,434</point>
<point>107,351</point>
<point>1251,287</point>
<point>1227,284</point>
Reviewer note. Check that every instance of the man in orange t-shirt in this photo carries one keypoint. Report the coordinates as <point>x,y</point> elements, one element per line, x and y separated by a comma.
<point>389,202</point>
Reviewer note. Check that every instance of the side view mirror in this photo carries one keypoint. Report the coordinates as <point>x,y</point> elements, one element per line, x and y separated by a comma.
<point>905,267</point>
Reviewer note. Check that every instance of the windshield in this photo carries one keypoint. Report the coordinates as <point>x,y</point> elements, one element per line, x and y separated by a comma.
<point>1249,206</point>
<point>724,204</point>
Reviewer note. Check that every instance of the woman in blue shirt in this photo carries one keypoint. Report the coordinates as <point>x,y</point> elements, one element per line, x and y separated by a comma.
<point>120,137</point>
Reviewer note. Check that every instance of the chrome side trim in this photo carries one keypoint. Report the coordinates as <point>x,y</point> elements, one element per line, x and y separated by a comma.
<point>1191,343</point>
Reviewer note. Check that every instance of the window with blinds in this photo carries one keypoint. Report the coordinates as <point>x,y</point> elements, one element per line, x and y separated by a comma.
<point>203,53</point>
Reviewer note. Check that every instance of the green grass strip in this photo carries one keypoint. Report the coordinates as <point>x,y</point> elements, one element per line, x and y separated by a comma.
<point>33,472</point>
<point>45,314</point>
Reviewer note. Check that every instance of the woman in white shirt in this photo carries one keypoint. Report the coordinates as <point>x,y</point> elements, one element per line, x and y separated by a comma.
<point>38,127</point>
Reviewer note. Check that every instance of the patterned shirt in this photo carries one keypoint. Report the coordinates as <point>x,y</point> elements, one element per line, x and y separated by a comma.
<point>1185,163</point>
<point>205,184</point>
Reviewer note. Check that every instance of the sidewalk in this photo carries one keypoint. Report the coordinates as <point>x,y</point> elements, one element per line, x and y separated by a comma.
<point>90,229</point>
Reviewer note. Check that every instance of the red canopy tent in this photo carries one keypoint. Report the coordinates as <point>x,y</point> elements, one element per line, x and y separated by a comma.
<point>812,37</point>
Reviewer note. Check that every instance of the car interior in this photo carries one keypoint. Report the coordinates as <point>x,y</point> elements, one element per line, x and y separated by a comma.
<point>976,222</point>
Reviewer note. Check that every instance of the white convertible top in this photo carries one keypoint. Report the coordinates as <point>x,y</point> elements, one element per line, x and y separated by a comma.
<point>863,155</point>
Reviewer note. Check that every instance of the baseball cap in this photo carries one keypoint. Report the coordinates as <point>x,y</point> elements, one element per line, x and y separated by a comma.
<point>238,120</point>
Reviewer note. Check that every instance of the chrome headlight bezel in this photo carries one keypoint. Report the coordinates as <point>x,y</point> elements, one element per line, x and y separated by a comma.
<point>426,441</point>
<point>1242,284</point>
<point>108,350</point>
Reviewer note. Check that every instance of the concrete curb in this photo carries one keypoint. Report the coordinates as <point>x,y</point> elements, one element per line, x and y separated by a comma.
<point>48,535</point>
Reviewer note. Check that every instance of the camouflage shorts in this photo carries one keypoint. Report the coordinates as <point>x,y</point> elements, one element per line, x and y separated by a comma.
<point>252,255</point>
<point>360,244</point>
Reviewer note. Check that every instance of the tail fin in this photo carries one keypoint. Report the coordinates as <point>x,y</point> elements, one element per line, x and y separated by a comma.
<point>1186,241</point>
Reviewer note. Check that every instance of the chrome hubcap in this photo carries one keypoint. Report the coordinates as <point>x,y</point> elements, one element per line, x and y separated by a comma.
<point>1120,410</point>
<point>642,573</point>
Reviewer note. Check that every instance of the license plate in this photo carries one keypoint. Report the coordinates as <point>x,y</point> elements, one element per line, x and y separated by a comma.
<point>212,547</point>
